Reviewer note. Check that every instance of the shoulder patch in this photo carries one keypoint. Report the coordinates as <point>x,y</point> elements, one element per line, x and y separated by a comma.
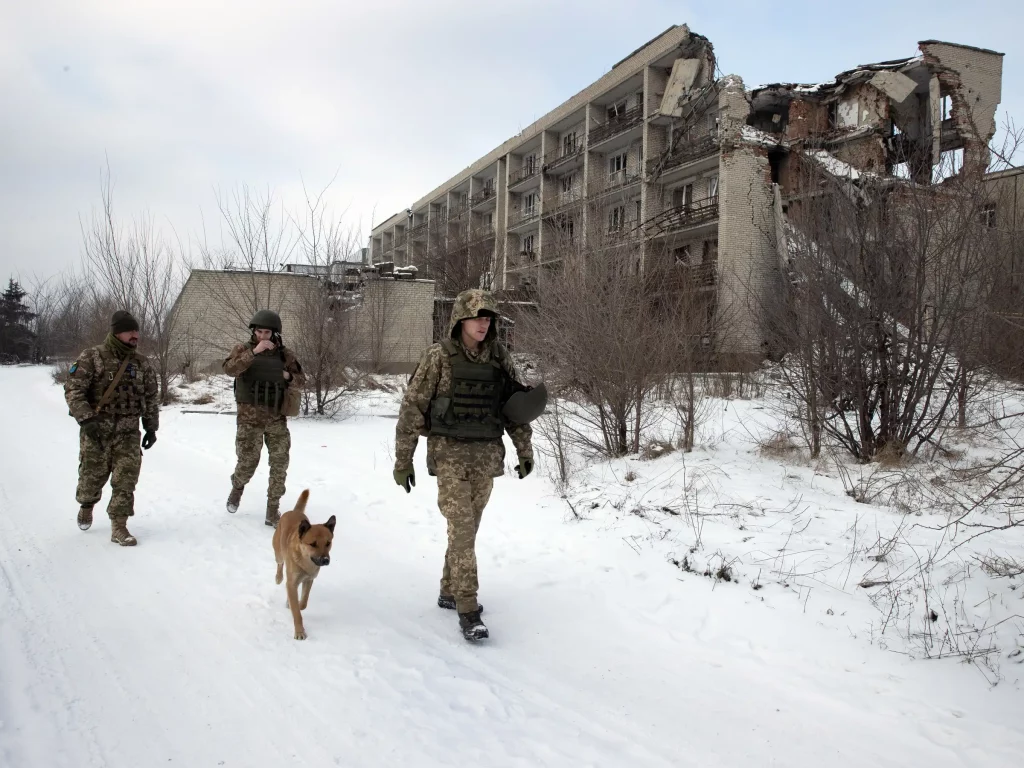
<point>74,367</point>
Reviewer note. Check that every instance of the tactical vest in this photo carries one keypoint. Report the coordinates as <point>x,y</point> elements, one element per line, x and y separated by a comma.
<point>128,397</point>
<point>472,409</point>
<point>262,383</point>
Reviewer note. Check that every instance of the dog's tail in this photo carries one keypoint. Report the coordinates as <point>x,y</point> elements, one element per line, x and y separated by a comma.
<point>300,505</point>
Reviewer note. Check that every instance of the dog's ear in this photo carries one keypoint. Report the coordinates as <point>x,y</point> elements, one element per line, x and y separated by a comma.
<point>303,527</point>
<point>329,525</point>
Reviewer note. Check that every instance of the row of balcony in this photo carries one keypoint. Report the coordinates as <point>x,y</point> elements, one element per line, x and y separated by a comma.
<point>675,219</point>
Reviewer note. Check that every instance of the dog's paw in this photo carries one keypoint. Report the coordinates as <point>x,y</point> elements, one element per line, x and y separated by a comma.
<point>300,634</point>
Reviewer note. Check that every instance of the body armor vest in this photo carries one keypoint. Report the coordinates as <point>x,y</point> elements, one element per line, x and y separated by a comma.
<point>472,409</point>
<point>262,384</point>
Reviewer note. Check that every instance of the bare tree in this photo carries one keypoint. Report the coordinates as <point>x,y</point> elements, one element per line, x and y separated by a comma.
<point>257,238</point>
<point>885,310</point>
<point>327,341</point>
<point>132,267</point>
<point>615,325</point>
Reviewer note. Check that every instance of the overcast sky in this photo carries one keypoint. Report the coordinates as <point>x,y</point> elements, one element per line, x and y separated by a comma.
<point>396,96</point>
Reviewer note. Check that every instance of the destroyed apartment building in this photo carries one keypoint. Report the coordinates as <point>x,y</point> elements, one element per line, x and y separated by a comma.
<point>687,166</point>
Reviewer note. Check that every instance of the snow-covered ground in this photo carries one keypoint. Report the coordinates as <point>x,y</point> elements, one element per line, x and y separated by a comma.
<point>609,647</point>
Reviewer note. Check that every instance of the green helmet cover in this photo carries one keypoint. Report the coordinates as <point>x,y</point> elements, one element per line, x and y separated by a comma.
<point>266,318</point>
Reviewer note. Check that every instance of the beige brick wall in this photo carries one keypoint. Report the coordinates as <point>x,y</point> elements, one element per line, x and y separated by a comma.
<point>974,79</point>
<point>746,236</point>
<point>403,310</point>
<point>214,309</point>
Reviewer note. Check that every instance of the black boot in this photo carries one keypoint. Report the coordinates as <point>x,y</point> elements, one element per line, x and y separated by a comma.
<point>448,601</point>
<point>473,628</point>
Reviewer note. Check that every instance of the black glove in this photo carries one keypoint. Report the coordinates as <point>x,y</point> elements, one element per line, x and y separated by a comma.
<point>524,468</point>
<point>405,478</point>
<point>92,428</point>
<point>147,440</point>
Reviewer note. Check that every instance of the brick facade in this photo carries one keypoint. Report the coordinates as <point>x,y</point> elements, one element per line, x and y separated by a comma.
<point>213,311</point>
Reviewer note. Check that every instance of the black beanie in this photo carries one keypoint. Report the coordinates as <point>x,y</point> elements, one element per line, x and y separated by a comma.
<point>122,322</point>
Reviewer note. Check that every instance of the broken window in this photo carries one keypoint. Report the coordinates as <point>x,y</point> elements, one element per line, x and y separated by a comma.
<point>988,215</point>
<point>901,170</point>
<point>713,186</point>
<point>528,244</point>
<point>710,251</point>
<point>640,99</point>
<point>682,256</point>
<point>567,184</point>
<point>617,163</point>
<point>569,143</point>
<point>529,203</point>
<point>616,110</point>
<point>951,162</point>
<point>946,108</point>
<point>529,164</point>
<point>616,218</point>
<point>682,197</point>
<point>713,125</point>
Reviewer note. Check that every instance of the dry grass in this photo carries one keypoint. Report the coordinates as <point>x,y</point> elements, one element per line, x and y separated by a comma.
<point>655,449</point>
<point>779,445</point>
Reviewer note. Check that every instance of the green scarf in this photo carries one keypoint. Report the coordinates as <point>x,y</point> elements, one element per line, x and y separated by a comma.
<point>118,347</point>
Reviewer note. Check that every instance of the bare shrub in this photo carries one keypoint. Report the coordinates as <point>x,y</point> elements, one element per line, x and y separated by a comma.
<point>601,331</point>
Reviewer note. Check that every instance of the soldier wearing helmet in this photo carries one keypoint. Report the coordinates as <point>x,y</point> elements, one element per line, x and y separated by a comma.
<point>268,380</point>
<point>457,399</point>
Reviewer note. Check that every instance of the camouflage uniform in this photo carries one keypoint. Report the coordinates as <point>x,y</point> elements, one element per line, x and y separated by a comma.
<point>465,469</point>
<point>114,452</point>
<point>256,425</point>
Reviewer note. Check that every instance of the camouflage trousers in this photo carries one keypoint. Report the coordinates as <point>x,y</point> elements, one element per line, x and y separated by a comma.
<point>117,456</point>
<point>462,499</point>
<point>254,428</point>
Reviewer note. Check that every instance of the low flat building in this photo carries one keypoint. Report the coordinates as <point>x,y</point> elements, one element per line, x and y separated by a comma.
<point>382,323</point>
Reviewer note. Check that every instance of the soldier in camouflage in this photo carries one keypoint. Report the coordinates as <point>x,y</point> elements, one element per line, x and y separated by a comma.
<point>454,399</point>
<point>109,387</point>
<point>264,370</point>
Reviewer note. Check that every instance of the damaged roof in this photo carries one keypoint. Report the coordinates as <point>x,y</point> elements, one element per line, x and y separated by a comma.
<point>838,84</point>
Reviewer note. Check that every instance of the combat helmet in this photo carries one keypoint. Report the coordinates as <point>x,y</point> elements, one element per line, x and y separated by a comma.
<point>526,405</point>
<point>266,318</point>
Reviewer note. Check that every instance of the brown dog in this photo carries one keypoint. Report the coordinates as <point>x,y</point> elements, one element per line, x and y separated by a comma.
<point>303,548</point>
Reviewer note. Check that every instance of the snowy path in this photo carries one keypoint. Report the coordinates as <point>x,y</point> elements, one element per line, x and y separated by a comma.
<point>179,652</point>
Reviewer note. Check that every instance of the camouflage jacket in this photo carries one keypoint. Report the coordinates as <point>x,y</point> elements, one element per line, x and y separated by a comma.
<point>241,358</point>
<point>136,394</point>
<point>447,455</point>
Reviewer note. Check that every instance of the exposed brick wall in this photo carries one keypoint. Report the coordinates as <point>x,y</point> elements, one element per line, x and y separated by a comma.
<point>806,118</point>
<point>973,78</point>
<point>866,153</point>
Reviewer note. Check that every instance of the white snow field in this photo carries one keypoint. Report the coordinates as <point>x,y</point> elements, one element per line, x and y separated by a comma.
<point>179,652</point>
